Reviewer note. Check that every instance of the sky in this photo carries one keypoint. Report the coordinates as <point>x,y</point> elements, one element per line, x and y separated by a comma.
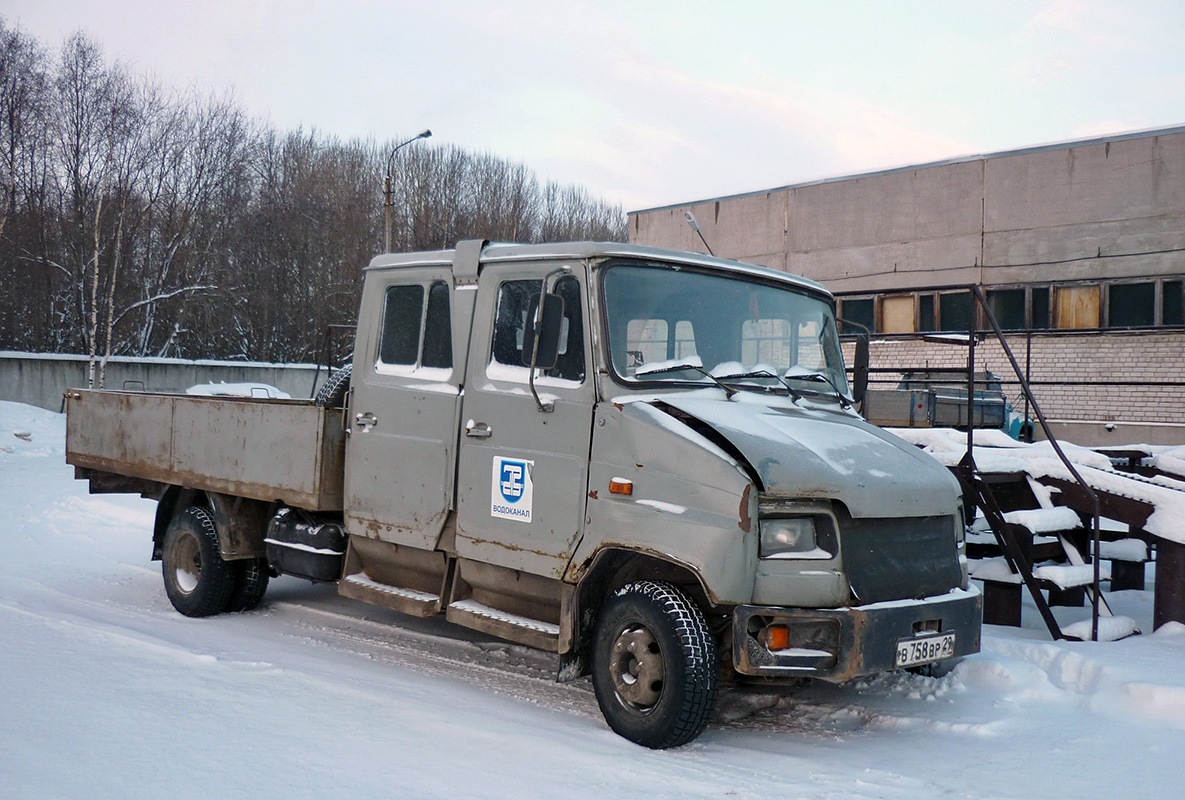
<point>656,103</point>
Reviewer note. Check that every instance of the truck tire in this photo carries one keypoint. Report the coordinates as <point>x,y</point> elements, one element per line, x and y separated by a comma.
<point>198,582</point>
<point>250,584</point>
<point>332,393</point>
<point>654,665</point>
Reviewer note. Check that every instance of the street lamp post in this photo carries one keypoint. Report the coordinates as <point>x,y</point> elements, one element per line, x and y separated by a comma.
<point>388,203</point>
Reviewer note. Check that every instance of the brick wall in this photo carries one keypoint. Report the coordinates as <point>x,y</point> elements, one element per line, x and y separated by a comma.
<point>1065,358</point>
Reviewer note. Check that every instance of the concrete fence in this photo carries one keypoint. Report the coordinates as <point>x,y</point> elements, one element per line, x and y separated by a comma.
<point>40,379</point>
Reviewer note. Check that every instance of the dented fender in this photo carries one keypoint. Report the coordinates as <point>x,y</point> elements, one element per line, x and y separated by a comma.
<point>691,502</point>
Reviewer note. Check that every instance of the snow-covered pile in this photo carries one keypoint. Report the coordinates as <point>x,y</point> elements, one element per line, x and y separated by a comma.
<point>1172,461</point>
<point>109,693</point>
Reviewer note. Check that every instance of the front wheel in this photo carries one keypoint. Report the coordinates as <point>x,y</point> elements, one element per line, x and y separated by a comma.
<point>198,582</point>
<point>654,665</point>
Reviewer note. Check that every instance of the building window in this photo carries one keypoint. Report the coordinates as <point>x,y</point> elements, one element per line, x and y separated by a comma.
<point>646,341</point>
<point>1172,294</point>
<point>1039,303</point>
<point>954,311</point>
<point>897,314</point>
<point>1076,306</point>
<point>857,311</point>
<point>1131,305</point>
<point>684,339</point>
<point>1008,307</point>
<point>926,313</point>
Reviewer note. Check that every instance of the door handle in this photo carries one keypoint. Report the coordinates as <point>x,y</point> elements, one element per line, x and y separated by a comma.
<point>478,430</point>
<point>366,421</point>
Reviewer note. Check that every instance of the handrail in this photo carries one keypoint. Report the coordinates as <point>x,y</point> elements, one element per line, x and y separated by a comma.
<point>981,300</point>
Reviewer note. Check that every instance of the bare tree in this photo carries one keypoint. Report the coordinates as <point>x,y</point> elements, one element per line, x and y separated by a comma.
<point>136,220</point>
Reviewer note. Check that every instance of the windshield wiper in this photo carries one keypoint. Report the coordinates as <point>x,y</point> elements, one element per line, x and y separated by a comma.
<point>823,377</point>
<point>687,365</point>
<point>763,373</point>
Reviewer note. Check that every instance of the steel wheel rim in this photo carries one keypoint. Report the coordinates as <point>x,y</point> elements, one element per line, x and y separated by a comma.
<point>185,562</point>
<point>637,668</point>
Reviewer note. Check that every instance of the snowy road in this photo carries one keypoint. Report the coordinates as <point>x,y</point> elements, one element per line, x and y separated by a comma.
<point>109,693</point>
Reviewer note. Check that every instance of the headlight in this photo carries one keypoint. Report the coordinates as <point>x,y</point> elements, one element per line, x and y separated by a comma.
<point>790,537</point>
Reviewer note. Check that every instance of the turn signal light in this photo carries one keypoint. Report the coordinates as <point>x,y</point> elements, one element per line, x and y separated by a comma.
<point>777,637</point>
<point>621,486</point>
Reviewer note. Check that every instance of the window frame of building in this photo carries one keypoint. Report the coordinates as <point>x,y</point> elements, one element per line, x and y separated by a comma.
<point>1171,291</point>
<point>927,312</point>
<point>999,292</point>
<point>892,312</point>
<point>1071,289</point>
<point>870,318</point>
<point>1111,301</point>
<point>945,298</point>
<point>1046,320</point>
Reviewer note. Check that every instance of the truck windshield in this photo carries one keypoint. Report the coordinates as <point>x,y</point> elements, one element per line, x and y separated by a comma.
<point>676,324</point>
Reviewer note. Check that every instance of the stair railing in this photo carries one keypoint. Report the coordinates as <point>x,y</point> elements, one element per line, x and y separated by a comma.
<point>1031,400</point>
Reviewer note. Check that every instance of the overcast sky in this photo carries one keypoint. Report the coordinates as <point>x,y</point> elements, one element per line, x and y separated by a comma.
<point>655,103</point>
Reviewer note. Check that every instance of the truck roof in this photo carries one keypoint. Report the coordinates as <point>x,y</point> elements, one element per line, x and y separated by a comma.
<point>501,251</point>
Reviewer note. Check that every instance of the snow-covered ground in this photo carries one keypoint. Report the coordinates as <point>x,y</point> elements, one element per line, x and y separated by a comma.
<point>109,693</point>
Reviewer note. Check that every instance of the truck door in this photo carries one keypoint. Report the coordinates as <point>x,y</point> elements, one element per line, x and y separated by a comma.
<point>404,409</point>
<point>522,473</point>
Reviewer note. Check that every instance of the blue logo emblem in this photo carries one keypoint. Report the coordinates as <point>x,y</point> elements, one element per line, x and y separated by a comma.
<point>512,480</point>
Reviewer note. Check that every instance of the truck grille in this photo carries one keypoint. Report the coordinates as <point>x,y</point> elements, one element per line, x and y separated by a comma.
<point>899,558</point>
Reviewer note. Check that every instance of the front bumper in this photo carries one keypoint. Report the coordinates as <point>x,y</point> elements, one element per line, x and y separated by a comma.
<point>840,644</point>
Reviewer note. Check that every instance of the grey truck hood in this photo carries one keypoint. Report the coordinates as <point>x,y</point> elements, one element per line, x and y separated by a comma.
<point>809,451</point>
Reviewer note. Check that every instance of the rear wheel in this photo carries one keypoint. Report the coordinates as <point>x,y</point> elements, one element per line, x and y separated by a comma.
<point>251,576</point>
<point>654,665</point>
<point>198,582</point>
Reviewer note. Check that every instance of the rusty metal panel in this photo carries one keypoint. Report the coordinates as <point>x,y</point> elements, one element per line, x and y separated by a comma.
<point>127,434</point>
<point>268,450</point>
<point>904,408</point>
<point>253,444</point>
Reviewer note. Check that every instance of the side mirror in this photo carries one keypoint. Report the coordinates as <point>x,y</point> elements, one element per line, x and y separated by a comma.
<point>860,369</point>
<point>541,338</point>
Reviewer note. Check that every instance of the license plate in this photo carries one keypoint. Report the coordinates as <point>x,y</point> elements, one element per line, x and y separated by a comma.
<point>925,649</point>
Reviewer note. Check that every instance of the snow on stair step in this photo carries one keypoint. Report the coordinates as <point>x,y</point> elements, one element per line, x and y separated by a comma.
<point>1124,550</point>
<point>1110,629</point>
<point>993,569</point>
<point>1045,520</point>
<point>1069,576</point>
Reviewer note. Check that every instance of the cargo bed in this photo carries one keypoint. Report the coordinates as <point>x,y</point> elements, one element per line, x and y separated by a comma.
<point>286,450</point>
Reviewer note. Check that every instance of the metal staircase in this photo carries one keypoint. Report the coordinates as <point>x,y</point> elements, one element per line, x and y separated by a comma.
<point>985,491</point>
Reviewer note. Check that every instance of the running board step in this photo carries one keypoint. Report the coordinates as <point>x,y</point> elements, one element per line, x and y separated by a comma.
<point>505,625</point>
<point>408,601</point>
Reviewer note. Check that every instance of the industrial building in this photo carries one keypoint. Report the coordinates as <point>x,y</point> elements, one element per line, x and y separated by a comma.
<point>1079,248</point>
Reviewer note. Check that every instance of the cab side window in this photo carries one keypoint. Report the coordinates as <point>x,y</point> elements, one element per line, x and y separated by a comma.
<point>416,333</point>
<point>514,299</point>
<point>438,329</point>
